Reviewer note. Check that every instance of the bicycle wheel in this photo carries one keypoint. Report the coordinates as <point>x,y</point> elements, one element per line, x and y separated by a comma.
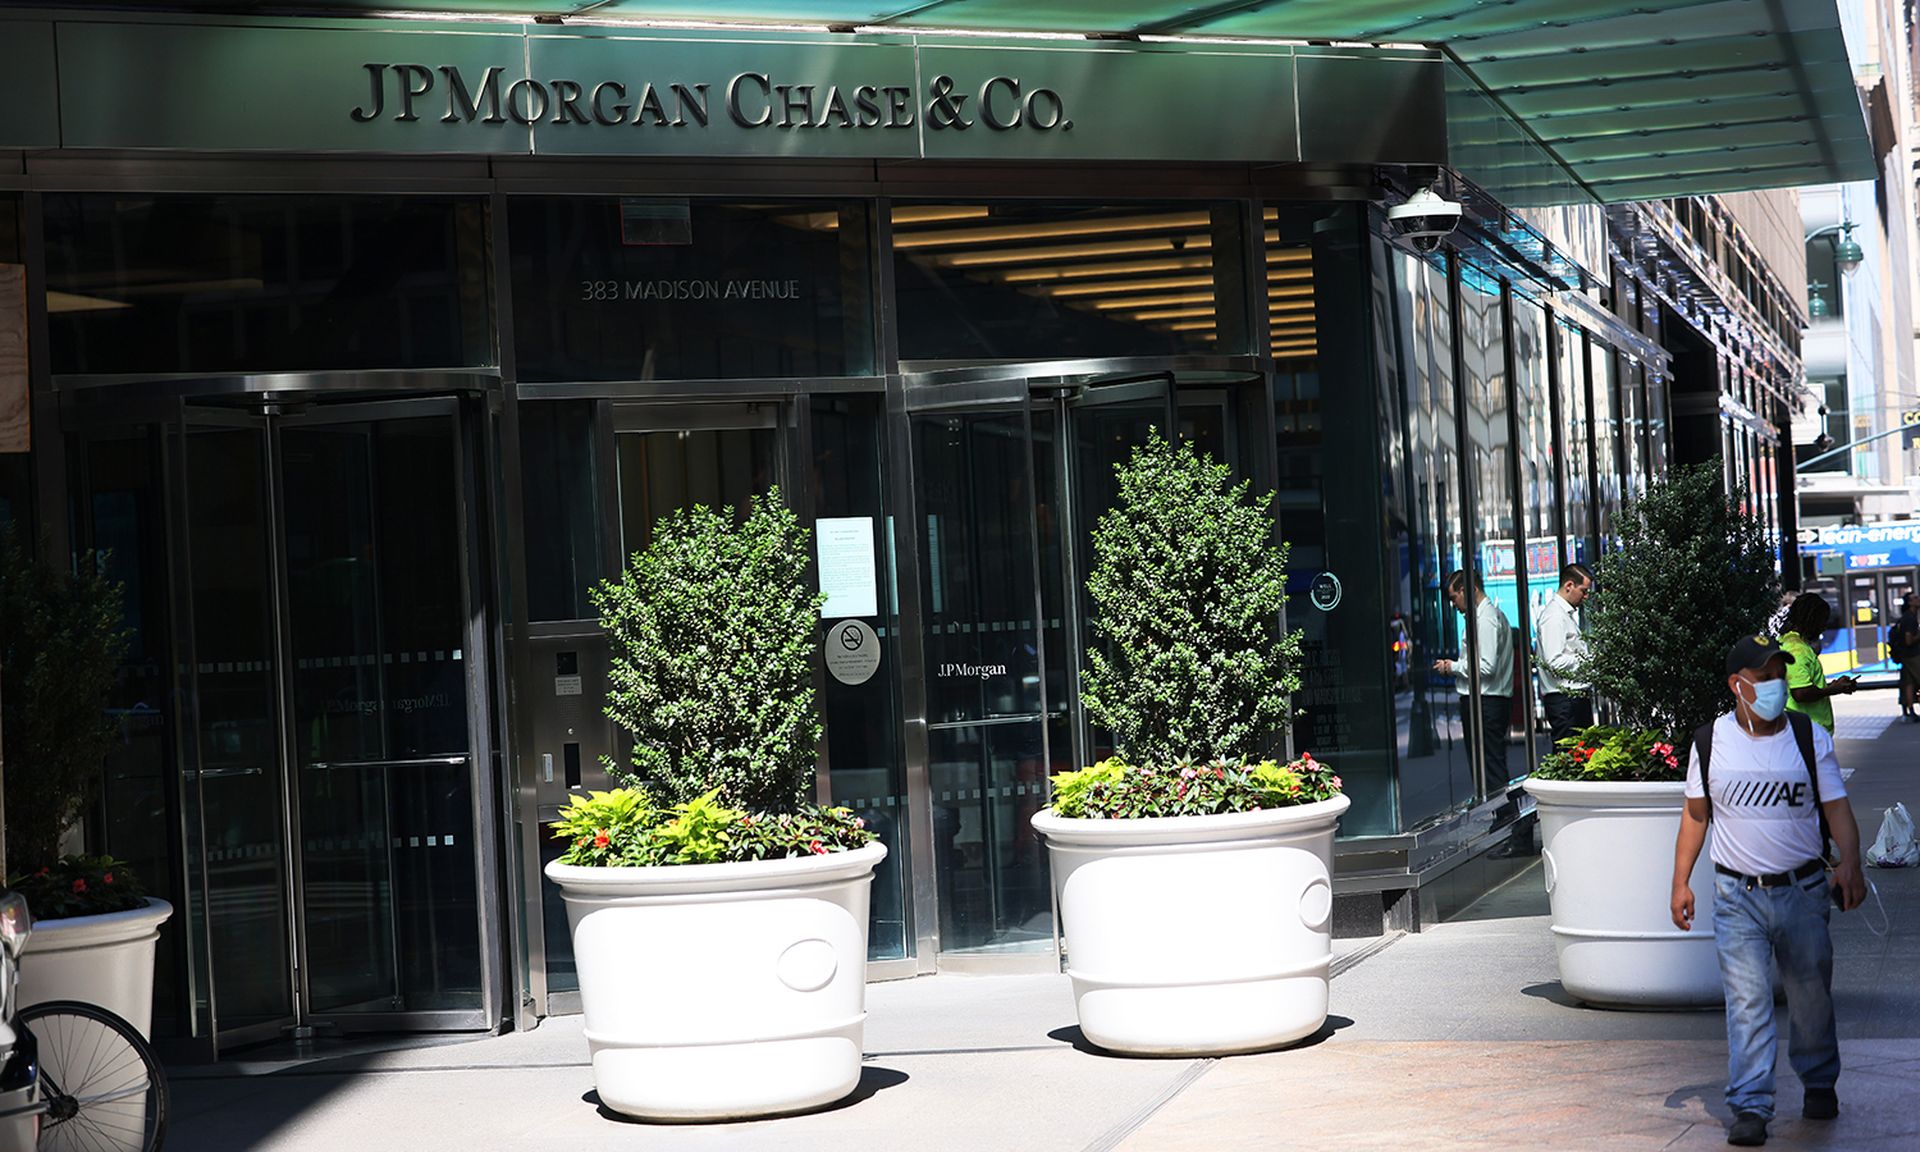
<point>104,1090</point>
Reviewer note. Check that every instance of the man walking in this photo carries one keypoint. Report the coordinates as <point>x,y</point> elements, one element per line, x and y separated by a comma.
<point>1769,784</point>
<point>1560,651</point>
<point>1495,637</point>
<point>1903,645</point>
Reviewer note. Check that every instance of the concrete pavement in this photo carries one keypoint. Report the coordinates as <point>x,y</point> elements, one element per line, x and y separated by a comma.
<point>1456,1038</point>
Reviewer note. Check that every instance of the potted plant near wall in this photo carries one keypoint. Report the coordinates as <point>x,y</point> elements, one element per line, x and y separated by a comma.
<point>719,917</point>
<point>1191,870</point>
<point>1693,573</point>
<point>95,929</point>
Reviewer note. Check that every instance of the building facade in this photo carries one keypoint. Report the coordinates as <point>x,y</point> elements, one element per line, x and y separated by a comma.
<point>363,350</point>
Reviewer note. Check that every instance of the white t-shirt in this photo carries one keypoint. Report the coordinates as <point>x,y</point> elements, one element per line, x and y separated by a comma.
<point>1763,815</point>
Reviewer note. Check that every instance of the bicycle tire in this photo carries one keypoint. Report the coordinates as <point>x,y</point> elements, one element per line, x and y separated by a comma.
<point>84,1046</point>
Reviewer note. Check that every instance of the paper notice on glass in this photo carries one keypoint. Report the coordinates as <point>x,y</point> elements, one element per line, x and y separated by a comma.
<point>845,548</point>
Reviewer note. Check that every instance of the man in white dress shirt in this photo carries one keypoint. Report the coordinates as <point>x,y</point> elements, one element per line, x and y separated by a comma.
<point>1561,649</point>
<point>1495,658</point>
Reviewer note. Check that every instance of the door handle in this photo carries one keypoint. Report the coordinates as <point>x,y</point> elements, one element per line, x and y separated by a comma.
<point>227,773</point>
<point>411,762</point>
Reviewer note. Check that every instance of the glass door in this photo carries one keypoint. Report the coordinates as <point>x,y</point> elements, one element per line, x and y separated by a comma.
<point>232,775</point>
<point>987,756</point>
<point>338,720</point>
<point>382,735</point>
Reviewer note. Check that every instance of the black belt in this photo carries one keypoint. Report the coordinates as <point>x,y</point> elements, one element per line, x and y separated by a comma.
<point>1774,879</point>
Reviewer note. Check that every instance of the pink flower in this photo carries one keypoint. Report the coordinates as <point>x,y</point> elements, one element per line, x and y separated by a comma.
<point>1336,781</point>
<point>858,822</point>
<point>1663,749</point>
<point>1672,760</point>
<point>817,848</point>
<point>1188,773</point>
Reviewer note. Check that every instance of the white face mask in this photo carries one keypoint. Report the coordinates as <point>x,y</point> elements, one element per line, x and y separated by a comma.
<point>1769,699</point>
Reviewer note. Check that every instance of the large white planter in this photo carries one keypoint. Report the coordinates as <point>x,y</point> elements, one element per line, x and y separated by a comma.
<point>1607,852</point>
<point>105,960</point>
<point>1197,935</point>
<point>723,991</point>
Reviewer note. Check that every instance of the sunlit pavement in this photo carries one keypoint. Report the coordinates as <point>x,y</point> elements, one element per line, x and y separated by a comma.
<point>1458,1037</point>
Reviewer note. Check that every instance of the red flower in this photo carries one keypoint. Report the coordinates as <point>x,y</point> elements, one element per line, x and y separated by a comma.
<point>817,848</point>
<point>79,883</point>
<point>42,872</point>
<point>600,839</point>
<point>108,878</point>
<point>1307,756</point>
<point>1581,753</point>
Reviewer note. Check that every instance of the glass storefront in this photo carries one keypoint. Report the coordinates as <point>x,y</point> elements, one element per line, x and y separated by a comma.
<point>364,598</point>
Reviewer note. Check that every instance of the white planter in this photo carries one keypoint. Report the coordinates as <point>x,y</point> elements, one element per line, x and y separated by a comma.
<point>723,991</point>
<point>1197,935</point>
<point>105,960</point>
<point>1607,854</point>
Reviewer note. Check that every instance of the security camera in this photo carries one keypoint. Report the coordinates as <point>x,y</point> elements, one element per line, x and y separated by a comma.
<point>1425,219</point>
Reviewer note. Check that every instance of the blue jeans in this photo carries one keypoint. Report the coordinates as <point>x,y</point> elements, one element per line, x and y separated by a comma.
<point>1751,927</point>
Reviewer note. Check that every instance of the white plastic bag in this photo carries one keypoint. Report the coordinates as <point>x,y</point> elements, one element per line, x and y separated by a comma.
<point>1895,846</point>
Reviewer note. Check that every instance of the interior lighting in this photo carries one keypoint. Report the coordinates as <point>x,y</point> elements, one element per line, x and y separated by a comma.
<point>1154,301</point>
<point>1158,244</point>
<point>1053,229</point>
<point>1113,268</point>
<point>1108,287</point>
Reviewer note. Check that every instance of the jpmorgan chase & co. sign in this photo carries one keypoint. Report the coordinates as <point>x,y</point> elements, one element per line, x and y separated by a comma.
<point>372,86</point>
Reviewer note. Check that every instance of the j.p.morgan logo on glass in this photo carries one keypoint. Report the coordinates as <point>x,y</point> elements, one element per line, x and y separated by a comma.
<point>407,93</point>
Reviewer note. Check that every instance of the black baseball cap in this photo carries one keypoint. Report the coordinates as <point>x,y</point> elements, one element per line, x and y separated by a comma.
<point>1754,652</point>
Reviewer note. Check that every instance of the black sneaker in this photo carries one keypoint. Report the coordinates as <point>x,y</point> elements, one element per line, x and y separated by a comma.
<point>1822,1104</point>
<point>1749,1130</point>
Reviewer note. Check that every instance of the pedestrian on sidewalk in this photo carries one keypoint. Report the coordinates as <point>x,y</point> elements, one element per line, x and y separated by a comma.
<point>1903,646</point>
<point>1768,784</point>
<point>1560,650</point>
<point>1808,690</point>
<point>1495,658</point>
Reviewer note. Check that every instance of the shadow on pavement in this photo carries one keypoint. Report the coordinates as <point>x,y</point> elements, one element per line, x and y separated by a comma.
<point>873,1080</point>
<point>1071,1034</point>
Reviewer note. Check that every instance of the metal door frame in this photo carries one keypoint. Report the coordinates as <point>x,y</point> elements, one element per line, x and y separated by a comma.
<point>478,756</point>
<point>930,387</point>
<point>268,420</point>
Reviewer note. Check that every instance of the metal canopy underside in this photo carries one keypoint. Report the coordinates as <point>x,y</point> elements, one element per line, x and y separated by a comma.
<point>1640,99</point>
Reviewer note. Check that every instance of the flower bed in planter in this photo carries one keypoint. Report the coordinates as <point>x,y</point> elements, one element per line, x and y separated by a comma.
<point>721,931</point>
<point>1609,806</point>
<point>1195,902</point>
<point>94,935</point>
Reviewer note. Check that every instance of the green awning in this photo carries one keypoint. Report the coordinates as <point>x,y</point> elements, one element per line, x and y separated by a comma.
<point>1639,99</point>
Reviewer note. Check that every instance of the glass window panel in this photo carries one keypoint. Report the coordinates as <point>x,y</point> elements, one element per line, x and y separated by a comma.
<point>1436,774</point>
<point>1606,441</point>
<point>562,507</point>
<point>635,288</point>
<point>1010,281</point>
<point>1330,462</point>
<point>1576,467</point>
<point>866,769</point>
<point>1498,677</point>
<point>232,283</point>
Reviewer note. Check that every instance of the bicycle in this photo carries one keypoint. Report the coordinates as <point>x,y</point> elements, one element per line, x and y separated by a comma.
<point>74,1077</point>
<point>102,1090</point>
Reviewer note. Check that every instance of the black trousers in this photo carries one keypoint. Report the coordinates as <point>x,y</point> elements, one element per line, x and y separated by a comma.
<point>1566,714</point>
<point>1495,712</point>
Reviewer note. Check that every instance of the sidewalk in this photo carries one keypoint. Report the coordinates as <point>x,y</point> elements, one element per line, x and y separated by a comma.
<point>1456,1038</point>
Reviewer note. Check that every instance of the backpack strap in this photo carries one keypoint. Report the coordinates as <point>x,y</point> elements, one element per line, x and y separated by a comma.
<point>1703,744</point>
<point>1802,726</point>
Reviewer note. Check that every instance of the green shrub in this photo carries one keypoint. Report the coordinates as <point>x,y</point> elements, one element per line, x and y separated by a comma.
<point>1187,587</point>
<point>1603,753</point>
<point>62,639</point>
<point>712,630</point>
<point>624,828</point>
<point>1115,789</point>
<point>1691,576</point>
